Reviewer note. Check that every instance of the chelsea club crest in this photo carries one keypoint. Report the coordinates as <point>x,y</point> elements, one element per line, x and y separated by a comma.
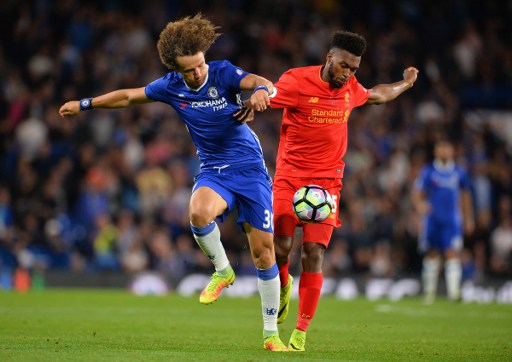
<point>213,92</point>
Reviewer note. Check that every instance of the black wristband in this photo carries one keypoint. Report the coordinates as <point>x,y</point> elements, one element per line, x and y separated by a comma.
<point>86,104</point>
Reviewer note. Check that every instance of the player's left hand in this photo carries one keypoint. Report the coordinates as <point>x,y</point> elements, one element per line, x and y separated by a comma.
<point>245,114</point>
<point>410,75</point>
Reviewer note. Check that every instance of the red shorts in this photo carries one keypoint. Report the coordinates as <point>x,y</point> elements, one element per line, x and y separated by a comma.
<point>285,219</point>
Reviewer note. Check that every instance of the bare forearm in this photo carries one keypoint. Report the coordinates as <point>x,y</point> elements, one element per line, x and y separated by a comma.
<point>252,81</point>
<point>117,99</point>
<point>388,92</point>
<point>383,93</point>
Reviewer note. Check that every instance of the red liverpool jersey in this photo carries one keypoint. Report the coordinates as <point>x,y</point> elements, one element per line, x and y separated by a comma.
<point>313,137</point>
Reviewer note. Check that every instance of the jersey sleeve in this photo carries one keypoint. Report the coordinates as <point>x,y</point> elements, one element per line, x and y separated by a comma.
<point>231,75</point>
<point>286,92</point>
<point>420,182</point>
<point>360,94</point>
<point>157,89</point>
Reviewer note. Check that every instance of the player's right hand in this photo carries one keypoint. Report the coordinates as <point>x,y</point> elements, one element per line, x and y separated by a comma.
<point>70,108</point>
<point>423,208</point>
<point>245,114</point>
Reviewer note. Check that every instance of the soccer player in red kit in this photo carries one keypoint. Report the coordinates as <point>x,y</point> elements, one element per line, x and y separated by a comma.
<point>316,102</point>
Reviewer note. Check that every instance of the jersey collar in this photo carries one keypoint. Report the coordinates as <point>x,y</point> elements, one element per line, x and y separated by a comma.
<point>439,166</point>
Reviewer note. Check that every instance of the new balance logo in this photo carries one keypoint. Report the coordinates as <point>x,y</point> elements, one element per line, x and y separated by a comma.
<point>313,100</point>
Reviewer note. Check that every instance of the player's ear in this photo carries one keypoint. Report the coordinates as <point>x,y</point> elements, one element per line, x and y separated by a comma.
<point>328,57</point>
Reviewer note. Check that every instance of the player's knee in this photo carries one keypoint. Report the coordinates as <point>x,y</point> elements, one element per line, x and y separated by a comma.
<point>451,254</point>
<point>263,258</point>
<point>283,246</point>
<point>313,254</point>
<point>313,259</point>
<point>200,217</point>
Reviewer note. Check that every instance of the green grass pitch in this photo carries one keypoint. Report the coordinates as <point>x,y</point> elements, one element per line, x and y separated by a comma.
<point>113,325</point>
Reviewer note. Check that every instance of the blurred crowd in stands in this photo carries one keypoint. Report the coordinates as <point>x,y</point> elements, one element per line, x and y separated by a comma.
<point>109,190</point>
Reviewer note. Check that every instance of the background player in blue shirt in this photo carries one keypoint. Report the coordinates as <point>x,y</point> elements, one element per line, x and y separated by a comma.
<point>442,195</point>
<point>207,97</point>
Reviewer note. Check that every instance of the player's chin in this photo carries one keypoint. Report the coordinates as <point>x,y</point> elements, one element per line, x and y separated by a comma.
<point>338,83</point>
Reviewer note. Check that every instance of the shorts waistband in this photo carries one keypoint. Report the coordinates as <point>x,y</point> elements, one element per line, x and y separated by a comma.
<point>231,168</point>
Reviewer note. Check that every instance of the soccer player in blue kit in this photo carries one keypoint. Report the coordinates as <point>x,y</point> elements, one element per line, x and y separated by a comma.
<point>207,97</point>
<point>442,195</point>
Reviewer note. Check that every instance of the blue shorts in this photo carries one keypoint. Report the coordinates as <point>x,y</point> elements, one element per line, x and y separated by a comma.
<point>249,189</point>
<point>440,236</point>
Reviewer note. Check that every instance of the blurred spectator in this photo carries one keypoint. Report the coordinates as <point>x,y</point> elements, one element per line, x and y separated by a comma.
<point>130,248</point>
<point>501,247</point>
<point>136,166</point>
<point>337,262</point>
<point>501,240</point>
<point>165,258</point>
<point>104,244</point>
<point>6,217</point>
<point>30,135</point>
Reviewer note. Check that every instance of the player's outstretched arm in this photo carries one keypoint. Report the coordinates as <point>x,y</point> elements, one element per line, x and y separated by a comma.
<point>117,99</point>
<point>420,203</point>
<point>383,93</point>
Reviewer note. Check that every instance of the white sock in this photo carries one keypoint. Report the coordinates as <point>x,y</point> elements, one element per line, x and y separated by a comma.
<point>208,239</point>
<point>269,287</point>
<point>430,275</point>
<point>453,275</point>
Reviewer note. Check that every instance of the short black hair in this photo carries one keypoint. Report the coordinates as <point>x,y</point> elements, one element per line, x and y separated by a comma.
<point>351,42</point>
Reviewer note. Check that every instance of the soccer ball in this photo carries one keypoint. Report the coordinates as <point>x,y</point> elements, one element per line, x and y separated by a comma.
<point>312,203</point>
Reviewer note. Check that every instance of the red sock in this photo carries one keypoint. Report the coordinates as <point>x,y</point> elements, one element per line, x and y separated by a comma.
<point>309,293</point>
<point>283,274</point>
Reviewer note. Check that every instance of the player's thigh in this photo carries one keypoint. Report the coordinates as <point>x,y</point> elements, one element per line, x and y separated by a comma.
<point>434,236</point>
<point>285,188</point>
<point>452,240</point>
<point>253,189</point>
<point>317,233</point>
<point>209,199</point>
<point>285,220</point>
<point>333,186</point>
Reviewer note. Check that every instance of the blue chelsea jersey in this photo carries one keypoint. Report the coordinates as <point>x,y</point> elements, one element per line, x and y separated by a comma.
<point>220,139</point>
<point>442,187</point>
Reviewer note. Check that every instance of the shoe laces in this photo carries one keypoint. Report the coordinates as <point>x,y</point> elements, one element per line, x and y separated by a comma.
<point>299,340</point>
<point>213,286</point>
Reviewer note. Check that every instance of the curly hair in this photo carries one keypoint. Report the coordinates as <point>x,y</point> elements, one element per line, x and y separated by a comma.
<point>186,36</point>
<point>351,42</point>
